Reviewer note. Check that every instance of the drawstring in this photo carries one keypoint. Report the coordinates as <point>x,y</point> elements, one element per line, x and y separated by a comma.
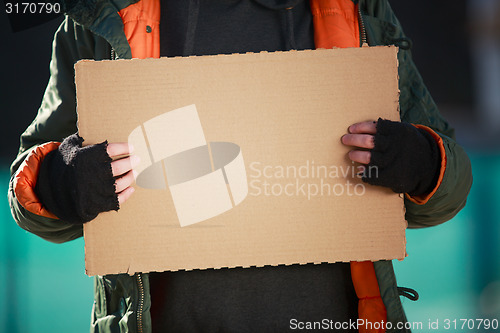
<point>409,293</point>
<point>285,7</point>
<point>194,9</point>
<point>287,25</point>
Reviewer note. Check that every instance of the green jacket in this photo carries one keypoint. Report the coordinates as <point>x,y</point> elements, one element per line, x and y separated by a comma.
<point>122,302</point>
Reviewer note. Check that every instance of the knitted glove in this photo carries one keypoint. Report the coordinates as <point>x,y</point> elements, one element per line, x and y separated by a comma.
<point>75,183</point>
<point>406,158</point>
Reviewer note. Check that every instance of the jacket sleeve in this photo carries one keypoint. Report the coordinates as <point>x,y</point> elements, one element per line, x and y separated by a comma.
<point>451,194</point>
<point>418,107</point>
<point>55,120</point>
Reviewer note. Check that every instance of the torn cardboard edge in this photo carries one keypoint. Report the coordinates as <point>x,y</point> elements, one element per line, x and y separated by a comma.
<point>265,128</point>
<point>131,271</point>
<point>182,58</point>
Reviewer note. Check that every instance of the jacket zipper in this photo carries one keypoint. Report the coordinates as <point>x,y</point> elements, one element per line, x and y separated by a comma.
<point>140,304</point>
<point>362,28</point>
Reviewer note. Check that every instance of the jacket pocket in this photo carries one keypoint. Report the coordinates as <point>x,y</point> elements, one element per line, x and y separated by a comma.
<point>110,310</point>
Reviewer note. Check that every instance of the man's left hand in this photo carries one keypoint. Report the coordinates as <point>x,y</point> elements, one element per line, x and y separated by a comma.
<point>405,158</point>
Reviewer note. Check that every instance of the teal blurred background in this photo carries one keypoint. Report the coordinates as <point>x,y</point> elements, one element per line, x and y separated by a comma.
<point>455,267</point>
<point>43,285</point>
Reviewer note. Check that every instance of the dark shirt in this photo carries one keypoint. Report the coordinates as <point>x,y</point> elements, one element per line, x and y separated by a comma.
<point>234,26</point>
<point>244,299</point>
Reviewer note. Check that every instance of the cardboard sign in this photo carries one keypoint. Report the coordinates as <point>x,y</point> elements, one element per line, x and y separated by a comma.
<point>241,159</point>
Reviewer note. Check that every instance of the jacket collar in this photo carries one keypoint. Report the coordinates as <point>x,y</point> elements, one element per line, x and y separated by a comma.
<point>101,17</point>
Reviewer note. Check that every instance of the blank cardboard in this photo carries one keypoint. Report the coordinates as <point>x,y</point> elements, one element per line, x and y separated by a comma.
<point>241,159</point>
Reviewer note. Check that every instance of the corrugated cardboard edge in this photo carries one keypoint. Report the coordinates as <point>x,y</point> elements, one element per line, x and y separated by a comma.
<point>131,270</point>
<point>401,195</point>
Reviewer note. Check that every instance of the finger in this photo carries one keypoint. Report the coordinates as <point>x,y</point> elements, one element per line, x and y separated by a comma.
<point>125,195</point>
<point>360,156</point>
<point>124,165</point>
<point>119,148</point>
<point>359,140</point>
<point>123,182</point>
<point>366,127</point>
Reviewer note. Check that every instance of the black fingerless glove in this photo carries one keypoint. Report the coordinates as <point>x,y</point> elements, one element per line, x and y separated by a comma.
<point>405,159</point>
<point>75,183</point>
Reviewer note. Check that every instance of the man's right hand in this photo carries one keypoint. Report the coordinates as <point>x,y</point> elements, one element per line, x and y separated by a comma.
<point>77,183</point>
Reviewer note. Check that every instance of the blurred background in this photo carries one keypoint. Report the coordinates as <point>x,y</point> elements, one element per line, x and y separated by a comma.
<point>455,267</point>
